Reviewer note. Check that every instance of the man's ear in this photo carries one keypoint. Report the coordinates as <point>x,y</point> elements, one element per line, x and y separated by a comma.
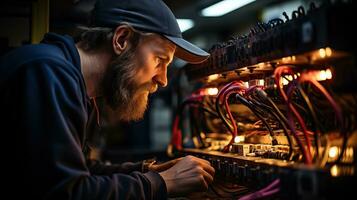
<point>120,38</point>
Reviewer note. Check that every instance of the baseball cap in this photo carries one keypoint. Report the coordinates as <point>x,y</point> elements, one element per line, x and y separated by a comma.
<point>148,16</point>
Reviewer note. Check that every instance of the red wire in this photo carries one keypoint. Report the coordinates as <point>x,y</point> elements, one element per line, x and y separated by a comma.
<point>307,153</point>
<point>300,120</point>
<point>232,88</point>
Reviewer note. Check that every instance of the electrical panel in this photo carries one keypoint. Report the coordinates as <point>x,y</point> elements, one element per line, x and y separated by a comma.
<point>275,111</point>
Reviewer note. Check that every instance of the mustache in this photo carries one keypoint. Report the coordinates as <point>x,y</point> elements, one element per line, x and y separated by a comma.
<point>151,87</point>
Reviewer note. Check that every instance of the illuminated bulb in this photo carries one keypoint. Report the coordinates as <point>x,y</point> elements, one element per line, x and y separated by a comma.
<point>328,51</point>
<point>334,171</point>
<point>284,81</point>
<point>239,139</point>
<point>321,75</point>
<point>293,58</point>
<point>332,153</point>
<point>289,77</point>
<point>261,65</point>
<point>322,53</point>
<point>212,91</point>
<point>246,84</point>
<point>286,59</point>
<point>328,74</point>
<point>213,77</point>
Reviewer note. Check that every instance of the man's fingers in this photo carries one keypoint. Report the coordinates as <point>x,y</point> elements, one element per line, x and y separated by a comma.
<point>209,169</point>
<point>201,160</point>
<point>205,165</point>
<point>166,165</point>
<point>208,177</point>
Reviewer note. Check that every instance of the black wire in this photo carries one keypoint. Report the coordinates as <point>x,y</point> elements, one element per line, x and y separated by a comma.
<point>285,129</point>
<point>265,97</point>
<point>280,115</point>
<point>315,121</point>
<point>255,111</point>
<point>343,131</point>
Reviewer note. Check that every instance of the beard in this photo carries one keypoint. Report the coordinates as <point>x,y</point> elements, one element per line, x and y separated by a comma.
<point>127,100</point>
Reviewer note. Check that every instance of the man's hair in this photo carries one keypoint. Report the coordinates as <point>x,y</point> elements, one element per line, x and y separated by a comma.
<point>93,38</point>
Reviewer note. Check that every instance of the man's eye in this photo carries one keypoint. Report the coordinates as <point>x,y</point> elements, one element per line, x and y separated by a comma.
<point>160,60</point>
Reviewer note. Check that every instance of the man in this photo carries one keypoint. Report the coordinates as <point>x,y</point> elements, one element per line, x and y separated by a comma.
<point>46,90</point>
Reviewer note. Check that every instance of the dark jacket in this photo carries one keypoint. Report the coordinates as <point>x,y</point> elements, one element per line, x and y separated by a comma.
<point>44,119</point>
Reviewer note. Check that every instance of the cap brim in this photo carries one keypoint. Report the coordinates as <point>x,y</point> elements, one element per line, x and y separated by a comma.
<point>187,51</point>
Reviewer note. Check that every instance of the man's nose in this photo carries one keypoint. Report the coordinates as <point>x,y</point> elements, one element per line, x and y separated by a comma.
<point>161,77</point>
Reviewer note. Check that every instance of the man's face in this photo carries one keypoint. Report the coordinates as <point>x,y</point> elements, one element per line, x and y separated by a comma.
<point>138,75</point>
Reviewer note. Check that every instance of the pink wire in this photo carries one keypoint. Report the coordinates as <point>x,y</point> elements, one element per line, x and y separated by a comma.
<point>269,190</point>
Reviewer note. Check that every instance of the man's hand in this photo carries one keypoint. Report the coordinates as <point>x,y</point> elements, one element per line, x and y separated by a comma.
<point>189,174</point>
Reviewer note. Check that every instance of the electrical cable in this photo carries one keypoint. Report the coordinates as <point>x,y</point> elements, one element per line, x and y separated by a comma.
<point>315,121</point>
<point>283,125</point>
<point>222,96</point>
<point>305,151</point>
<point>270,190</point>
<point>230,90</point>
<point>309,77</point>
<point>256,112</point>
<point>218,106</point>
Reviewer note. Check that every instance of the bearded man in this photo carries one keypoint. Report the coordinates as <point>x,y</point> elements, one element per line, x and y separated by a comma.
<point>47,90</point>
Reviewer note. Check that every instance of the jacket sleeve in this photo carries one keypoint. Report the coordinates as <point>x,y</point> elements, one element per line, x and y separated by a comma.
<point>99,168</point>
<point>52,113</point>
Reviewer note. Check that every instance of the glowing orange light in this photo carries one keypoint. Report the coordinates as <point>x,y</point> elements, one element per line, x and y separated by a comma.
<point>328,51</point>
<point>333,151</point>
<point>239,139</point>
<point>212,91</point>
<point>323,75</point>
<point>322,53</point>
<point>213,77</point>
<point>328,74</point>
<point>284,81</point>
<point>334,171</point>
<point>246,84</point>
<point>286,59</point>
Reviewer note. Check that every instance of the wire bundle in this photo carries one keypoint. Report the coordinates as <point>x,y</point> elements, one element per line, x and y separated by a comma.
<point>295,84</point>
<point>289,120</point>
<point>222,98</point>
